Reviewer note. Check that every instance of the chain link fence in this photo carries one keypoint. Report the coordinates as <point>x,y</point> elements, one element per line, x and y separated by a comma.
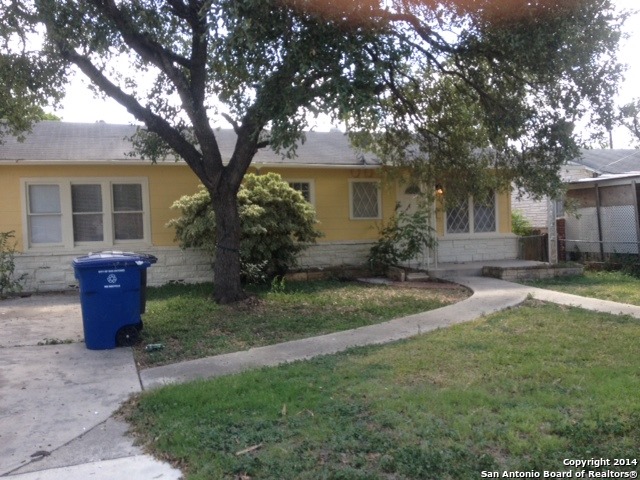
<point>612,236</point>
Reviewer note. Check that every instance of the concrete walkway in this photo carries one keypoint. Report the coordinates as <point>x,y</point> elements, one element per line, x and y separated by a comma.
<point>57,401</point>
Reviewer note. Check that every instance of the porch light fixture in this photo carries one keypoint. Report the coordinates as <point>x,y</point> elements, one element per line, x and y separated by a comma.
<point>439,190</point>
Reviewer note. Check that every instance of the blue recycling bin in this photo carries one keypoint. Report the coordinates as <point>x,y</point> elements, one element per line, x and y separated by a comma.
<point>112,297</point>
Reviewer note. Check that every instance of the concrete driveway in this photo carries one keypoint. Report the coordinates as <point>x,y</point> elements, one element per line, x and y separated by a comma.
<point>57,397</point>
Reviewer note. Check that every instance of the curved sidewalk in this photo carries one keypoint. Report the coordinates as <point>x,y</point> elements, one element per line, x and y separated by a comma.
<point>489,295</point>
<point>82,444</point>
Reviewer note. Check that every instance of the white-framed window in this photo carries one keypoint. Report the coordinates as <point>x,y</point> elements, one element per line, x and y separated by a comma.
<point>91,212</point>
<point>474,215</point>
<point>365,199</point>
<point>306,187</point>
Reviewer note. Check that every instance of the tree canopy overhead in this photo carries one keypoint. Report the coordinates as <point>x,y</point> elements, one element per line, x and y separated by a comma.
<point>449,86</point>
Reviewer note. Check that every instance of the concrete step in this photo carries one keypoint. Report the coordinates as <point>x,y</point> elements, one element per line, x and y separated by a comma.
<point>469,271</point>
<point>417,277</point>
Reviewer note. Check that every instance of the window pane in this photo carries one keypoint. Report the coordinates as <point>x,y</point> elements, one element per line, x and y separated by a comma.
<point>304,188</point>
<point>86,198</point>
<point>127,198</point>
<point>365,199</point>
<point>128,226</point>
<point>484,214</point>
<point>88,228</point>
<point>45,229</point>
<point>458,219</point>
<point>44,199</point>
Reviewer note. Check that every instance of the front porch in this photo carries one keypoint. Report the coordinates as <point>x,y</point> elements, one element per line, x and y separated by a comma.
<point>511,270</point>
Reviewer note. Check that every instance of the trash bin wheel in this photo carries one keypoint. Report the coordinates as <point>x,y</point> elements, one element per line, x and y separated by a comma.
<point>128,336</point>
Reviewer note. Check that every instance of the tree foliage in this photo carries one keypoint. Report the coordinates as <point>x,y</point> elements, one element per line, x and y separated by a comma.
<point>30,78</point>
<point>277,224</point>
<point>449,87</point>
<point>629,116</point>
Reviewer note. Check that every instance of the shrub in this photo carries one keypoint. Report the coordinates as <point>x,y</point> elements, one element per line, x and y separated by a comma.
<point>402,238</point>
<point>277,223</point>
<point>8,283</point>
<point>520,225</point>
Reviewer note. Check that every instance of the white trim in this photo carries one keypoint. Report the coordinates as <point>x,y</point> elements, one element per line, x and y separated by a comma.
<point>68,243</point>
<point>379,195</point>
<point>312,187</point>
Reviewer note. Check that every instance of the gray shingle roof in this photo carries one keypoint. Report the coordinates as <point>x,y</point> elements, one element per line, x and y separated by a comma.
<point>63,142</point>
<point>611,161</point>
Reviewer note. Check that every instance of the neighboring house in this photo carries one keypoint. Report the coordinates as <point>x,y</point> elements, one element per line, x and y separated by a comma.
<point>70,189</point>
<point>591,164</point>
<point>606,220</point>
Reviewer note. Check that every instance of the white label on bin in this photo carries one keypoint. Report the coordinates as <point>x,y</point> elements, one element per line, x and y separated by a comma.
<point>112,279</point>
<point>119,270</point>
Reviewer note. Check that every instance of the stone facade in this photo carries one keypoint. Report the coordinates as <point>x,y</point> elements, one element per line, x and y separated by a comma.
<point>54,271</point>
<point>513,274</point>
<point>335,254</point>
<point>477,249</point>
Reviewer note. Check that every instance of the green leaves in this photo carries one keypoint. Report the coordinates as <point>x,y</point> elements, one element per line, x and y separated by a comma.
<point>277,223</point>
<point>403,238</point>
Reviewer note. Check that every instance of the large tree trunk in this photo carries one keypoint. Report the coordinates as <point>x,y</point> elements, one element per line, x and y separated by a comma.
<point>226,268</point>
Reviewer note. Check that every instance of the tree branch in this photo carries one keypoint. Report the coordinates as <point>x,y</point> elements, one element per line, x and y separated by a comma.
<point>234,124</point>
<point>155,123</point>
<point>192,93</point>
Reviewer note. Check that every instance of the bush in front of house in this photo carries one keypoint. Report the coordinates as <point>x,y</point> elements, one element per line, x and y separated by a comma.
<point>277,224</point>
<point>520,225</point>
<point>9,283</point>
<point>405,236</point>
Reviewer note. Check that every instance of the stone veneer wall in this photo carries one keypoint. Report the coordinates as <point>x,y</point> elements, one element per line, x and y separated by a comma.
<point>478,249</point>
<point>532,273</point>
<point>54,271</point>
<point>335,254</point>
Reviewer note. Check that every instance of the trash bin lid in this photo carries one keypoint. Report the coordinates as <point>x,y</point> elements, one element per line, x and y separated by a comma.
<point>114,259</point>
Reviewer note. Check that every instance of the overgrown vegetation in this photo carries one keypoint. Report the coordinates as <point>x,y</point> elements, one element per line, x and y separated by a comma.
<point>406,235</point>
<point>9,283</point>
<point>520,225</point>
<point>521,390</point>
<point>189,325</point>
<point>277,224</point>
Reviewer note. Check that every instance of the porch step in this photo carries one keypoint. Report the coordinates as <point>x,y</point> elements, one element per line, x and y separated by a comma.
<point>445,273</point>
<point>417,277</point>
<point>474,269</point>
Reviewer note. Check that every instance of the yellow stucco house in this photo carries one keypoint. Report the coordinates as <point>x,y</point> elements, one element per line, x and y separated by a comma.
<point>71,188</point>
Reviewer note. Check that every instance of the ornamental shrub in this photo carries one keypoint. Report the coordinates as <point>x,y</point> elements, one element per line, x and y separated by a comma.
<point>8,282</point>
<point>277,224</point>
<point>520,225</point>
<point>403,238</point>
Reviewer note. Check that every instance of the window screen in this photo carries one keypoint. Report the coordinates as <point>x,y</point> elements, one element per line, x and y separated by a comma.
<point>44,214</point>
<point>128,211</point>
<point>86,206</point>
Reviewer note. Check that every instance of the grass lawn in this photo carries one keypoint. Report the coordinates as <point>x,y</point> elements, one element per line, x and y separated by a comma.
<point>614,286</point>
<point>520,390</point>
<point>190,325</point>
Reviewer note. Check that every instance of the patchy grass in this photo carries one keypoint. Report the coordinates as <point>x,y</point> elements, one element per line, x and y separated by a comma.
<point>614,286</point>
<point>190,325</point>
<point>519,390</point>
